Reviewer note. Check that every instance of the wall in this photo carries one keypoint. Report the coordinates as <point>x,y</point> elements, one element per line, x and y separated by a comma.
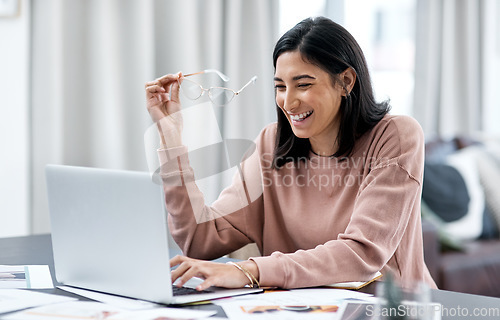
<point>14,121</point>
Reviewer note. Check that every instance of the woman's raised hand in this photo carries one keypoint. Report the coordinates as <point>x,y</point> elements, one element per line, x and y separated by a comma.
<point>163,103</point>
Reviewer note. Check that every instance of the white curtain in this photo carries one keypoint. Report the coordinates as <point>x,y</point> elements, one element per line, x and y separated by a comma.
<point>91,58</point>
<point>457,63</point>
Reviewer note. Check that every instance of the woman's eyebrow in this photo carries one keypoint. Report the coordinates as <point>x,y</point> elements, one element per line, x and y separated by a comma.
<point>302,76</point>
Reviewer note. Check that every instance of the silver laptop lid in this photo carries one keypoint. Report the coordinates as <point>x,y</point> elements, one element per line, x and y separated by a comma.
<point>109,231</point>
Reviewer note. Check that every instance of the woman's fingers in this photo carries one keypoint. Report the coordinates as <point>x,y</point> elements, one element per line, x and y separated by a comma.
<point>211,281</point>
<point>177,260</point>
<point>156,94</point>
<point>194,270</point>
<point>154,87</point>
<point>181,268</point>
<point>187,268</point>
<point>162,91</point>
<point>174,93</point>
<point>169,79</point>
<point>163,84</point>
<point>164,81</point>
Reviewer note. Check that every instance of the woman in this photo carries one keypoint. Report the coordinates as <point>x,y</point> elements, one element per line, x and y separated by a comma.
<point>332,192</point>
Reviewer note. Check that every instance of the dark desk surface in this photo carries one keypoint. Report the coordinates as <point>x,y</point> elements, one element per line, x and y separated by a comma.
<point>37,249</point>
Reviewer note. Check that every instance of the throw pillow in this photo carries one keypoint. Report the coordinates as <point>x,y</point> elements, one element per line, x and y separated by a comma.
<point>445,192</point>
<point>470,226</point>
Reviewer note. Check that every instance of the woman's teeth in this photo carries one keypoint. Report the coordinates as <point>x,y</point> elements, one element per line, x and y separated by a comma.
<point>302,116</point>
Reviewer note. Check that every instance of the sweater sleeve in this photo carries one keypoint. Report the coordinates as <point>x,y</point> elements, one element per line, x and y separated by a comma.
<point>385,208</point>
<point>232,221</point>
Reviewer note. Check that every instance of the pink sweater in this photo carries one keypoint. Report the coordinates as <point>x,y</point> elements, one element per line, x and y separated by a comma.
<point>315,222</point>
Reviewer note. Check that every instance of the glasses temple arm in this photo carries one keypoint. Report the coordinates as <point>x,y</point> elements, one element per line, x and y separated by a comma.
<point>254,78</point>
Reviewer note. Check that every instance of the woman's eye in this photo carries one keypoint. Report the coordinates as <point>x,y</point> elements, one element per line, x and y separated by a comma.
<point>279,87</point>
<point>304,85</point>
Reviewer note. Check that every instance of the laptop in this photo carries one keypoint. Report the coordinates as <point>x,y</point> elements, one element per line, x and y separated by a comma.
<point>109,234</point>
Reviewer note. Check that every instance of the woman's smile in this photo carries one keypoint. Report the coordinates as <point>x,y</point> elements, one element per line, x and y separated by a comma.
<point>297,119</point>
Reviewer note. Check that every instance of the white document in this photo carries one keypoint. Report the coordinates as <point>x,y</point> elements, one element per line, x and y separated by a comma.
<point>66,311</point>
<point>163,313</point>
<point>96,310</point>
<point>17,299</point>
<point>28,276</point>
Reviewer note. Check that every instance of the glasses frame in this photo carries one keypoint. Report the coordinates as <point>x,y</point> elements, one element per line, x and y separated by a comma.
<point>209,90</point>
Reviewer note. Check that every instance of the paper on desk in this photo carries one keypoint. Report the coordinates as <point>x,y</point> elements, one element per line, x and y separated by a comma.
<point>163,313</point>
<point>119,302</point>
<point>96,310</point>
<point>309,295</point>
<point>317,303</point>
<point>66,311</point>
<point>28,276</point>
<point>17,299</point>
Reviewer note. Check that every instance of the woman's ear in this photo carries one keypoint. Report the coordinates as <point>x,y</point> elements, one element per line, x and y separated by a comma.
<point>348,78</point>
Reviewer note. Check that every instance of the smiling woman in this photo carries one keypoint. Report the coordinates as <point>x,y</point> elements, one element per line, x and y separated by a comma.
<point>339,67</point>
<point>338,202</point>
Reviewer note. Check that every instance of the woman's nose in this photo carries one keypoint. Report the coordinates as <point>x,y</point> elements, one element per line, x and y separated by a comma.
<point>290,102</point>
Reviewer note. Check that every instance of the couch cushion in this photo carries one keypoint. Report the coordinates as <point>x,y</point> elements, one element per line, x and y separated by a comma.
<point>469,226</point>
<point>445,192</point>
<point>452,190</point>
<point>477,270</point>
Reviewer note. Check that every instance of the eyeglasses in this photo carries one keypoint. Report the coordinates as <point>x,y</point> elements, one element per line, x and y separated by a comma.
<point>219,96</point>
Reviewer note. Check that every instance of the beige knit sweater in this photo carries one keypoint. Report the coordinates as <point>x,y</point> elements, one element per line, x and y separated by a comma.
<point>316,222</point>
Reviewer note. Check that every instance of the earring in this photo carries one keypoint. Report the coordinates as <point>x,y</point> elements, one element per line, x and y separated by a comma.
<point>347,93</point>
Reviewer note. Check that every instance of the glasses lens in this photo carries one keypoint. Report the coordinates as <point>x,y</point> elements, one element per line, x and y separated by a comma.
<point>220,96</point>
<point>191,89</point>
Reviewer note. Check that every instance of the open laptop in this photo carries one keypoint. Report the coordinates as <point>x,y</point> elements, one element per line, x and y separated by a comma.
<point>110,234</point>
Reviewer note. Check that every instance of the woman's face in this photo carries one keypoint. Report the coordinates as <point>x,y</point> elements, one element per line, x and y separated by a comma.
<point>309,100</point>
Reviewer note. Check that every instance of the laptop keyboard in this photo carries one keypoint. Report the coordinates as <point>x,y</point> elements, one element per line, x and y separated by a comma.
<point>185,290</point>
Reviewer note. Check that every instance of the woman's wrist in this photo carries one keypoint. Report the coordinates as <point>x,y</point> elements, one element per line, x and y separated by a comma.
<point>252,281</point>
<point>170,137</point>
<point>252,267</point>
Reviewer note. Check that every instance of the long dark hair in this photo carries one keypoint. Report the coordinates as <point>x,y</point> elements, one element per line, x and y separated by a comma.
<point>329,46</point>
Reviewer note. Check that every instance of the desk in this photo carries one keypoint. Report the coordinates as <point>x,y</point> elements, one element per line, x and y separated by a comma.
<point>37,249</point>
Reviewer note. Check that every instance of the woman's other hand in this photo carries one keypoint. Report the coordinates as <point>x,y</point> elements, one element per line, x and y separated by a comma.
<point>214,274</point>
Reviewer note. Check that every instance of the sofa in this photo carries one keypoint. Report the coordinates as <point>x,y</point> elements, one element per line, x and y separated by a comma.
<point>461,214</point>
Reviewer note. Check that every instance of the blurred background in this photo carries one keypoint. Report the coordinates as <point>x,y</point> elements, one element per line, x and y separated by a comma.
<point>72,76</point>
